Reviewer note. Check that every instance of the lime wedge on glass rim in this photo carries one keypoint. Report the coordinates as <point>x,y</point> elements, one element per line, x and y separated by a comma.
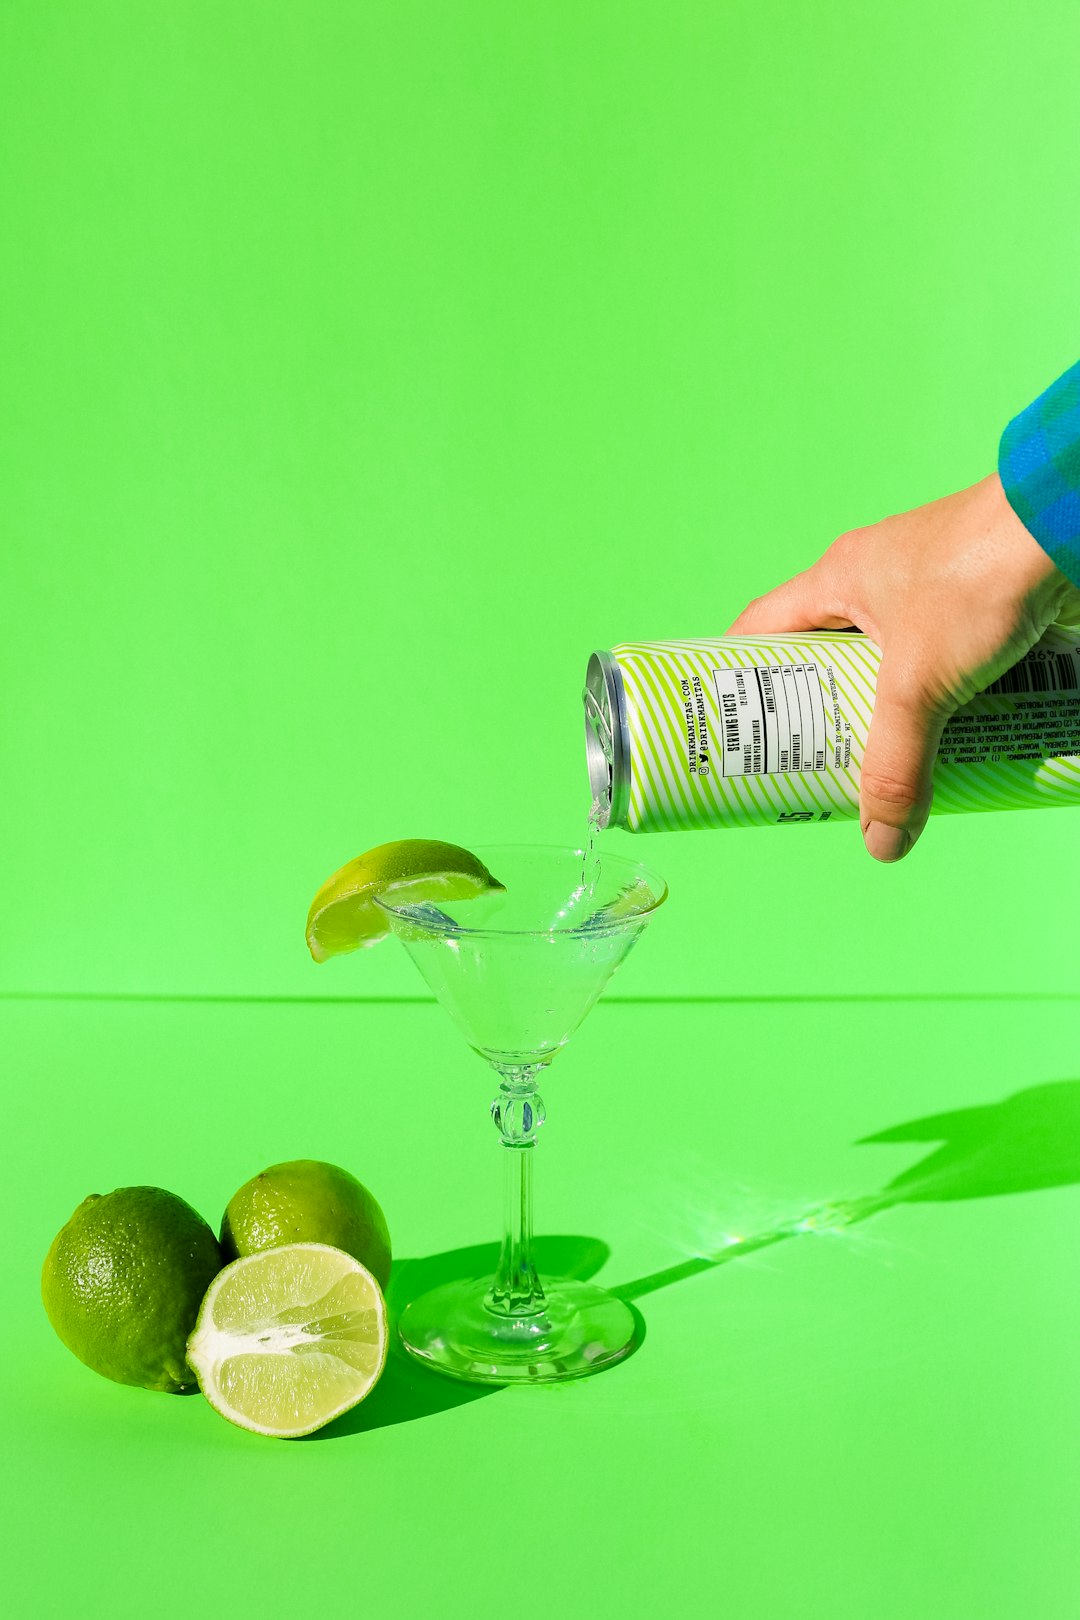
<point>344,916</point>
<point>289,1339</point>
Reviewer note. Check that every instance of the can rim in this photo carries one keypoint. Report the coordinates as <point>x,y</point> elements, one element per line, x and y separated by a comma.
<point>606,752</point>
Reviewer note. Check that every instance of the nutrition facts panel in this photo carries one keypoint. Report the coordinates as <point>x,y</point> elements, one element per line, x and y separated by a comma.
<point>772,719</point>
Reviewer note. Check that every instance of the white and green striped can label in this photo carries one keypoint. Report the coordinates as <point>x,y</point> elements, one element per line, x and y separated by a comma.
<point>741,731</point>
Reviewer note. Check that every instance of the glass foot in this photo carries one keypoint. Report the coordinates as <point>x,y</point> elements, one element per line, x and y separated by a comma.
<point>579,1330</point>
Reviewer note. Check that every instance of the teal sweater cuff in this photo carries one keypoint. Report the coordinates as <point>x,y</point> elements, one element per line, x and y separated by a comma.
<point>1039,466</point>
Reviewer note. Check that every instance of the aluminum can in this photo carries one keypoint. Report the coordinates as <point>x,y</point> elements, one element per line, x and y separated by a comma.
<point>741,731</point>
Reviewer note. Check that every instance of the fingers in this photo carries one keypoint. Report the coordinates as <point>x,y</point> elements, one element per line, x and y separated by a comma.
<point>896,778</point>
<point>909,710</point>
<point>806,602</point>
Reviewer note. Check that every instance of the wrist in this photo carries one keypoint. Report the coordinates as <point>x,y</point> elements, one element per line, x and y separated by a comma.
<point>1037,578</point>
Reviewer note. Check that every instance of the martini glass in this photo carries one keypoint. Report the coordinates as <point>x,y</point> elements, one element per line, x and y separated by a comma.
<point>517,970</point>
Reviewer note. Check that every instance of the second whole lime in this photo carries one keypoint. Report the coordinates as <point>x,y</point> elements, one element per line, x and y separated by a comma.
<point>307,1201</point>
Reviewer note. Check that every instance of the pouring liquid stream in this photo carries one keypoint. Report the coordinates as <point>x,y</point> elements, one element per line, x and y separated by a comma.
<point>590,854</point>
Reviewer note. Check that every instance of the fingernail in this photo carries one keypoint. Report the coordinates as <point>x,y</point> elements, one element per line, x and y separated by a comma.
<point>886,843</point>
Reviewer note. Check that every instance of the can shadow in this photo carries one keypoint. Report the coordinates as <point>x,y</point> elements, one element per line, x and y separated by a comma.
<point>1024,1143</point>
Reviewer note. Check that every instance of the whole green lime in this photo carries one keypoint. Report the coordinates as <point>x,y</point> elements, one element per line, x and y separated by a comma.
<point>307,1201</point>
<point>123,1282</point>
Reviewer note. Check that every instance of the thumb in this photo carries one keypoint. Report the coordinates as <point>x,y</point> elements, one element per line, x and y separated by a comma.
<point>896,778</point>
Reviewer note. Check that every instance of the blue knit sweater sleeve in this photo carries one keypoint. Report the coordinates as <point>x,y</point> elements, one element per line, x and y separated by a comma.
<point>1039,466</point>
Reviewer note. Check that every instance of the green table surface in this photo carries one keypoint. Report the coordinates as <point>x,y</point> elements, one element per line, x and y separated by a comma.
<point>879,1421</point>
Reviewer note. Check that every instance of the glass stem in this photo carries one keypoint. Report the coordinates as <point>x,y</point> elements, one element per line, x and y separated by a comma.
<point>518,1113</point>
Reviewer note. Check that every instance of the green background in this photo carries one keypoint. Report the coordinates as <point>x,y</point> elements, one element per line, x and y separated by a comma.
<point>362,368</point>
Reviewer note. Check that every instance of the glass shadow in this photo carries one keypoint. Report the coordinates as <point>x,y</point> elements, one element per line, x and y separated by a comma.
<point>1024,1143</point>
<point>407,1390</point>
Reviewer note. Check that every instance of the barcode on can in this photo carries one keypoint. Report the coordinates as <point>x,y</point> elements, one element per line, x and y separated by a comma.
<point>1050,672</point>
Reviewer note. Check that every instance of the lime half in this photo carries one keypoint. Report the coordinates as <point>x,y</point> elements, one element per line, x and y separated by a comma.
<point>344,916</point>
<point>289,1339</point>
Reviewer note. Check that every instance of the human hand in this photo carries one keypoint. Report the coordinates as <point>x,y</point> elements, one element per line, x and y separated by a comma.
<point>954,593</point>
